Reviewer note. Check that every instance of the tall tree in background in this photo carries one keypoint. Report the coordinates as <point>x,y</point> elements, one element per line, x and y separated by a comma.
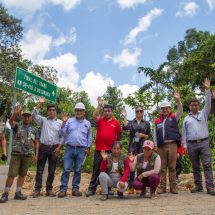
<point>193,59</point>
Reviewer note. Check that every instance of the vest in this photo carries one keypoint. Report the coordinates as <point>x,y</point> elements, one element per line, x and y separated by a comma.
<point>171,129</point>
<point>23,141</point>
<point>150,165</point>
<point>121,163</point>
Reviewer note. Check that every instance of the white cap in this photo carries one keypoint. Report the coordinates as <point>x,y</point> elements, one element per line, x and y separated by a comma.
<point>165,104</point>
<point>80,106</point>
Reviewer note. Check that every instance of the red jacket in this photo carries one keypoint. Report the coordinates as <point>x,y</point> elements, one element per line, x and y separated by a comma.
<point>126,172</point>
<point>181,148</point>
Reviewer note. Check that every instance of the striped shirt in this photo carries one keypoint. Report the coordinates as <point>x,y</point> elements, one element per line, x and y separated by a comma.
<point>195,126</point>
<point>50,129</point>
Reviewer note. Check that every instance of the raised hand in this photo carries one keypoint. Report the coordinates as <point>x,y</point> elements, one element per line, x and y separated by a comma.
<point>100,101</point>
<point>131,157</point>
<point>104,155</point>
<point>207,83</point>
<point>17,110</point>
<point>122,184</point>
<point>176,96</point>
<point>65,117</point>
<point>41,100</point>
<point>124,114</point>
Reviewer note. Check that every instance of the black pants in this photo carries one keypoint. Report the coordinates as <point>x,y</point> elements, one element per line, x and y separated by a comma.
<point>96,170</point>
<point>46,152</point>
<point>179,167</point>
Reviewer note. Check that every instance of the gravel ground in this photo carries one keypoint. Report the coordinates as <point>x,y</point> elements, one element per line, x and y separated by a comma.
<point>183,203</point>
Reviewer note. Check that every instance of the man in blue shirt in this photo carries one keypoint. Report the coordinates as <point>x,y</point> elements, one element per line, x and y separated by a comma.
<point>195,141</point>
<point>78,139</point>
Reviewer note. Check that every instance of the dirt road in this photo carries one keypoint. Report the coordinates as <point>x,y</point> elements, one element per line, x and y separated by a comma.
<point>183,203</point>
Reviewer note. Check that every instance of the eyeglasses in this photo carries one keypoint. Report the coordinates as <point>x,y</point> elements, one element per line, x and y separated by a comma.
<point>51,110</point>
<point>139,111</point>
<point>79,110</point>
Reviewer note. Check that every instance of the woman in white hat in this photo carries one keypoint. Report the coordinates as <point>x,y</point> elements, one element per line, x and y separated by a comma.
<point>115,171</point>
<point>147,165</point>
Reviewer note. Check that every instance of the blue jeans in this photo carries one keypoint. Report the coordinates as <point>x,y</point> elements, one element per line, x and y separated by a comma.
<point>74,156</point>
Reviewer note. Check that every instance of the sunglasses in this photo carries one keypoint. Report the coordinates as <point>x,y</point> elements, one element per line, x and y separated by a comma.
<point>79,110</point>
<point>139,111</point>
<point>51,110</point>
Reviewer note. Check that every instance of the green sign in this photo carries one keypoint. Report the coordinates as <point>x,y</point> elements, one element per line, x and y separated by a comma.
<point>35,85</point>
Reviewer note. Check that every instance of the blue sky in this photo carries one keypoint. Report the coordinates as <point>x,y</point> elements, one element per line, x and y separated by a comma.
<point>94,43</point>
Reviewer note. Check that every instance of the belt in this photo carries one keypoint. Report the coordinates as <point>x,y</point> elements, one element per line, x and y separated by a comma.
<point>77,146</point>
<point>198,141</point>
<point>49,146</point>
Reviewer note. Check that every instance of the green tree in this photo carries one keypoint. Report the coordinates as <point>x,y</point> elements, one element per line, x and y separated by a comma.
<point>114,97</point>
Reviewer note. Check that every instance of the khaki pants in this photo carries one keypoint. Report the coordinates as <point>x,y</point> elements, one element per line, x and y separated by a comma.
<point>168,154</point>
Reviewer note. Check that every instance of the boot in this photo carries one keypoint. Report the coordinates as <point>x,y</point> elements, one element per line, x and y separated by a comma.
<point>4,197</point>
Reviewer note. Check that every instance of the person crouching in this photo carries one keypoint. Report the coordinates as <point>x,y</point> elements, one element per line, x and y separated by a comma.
<point>115,171</point>
<point>147,165</point>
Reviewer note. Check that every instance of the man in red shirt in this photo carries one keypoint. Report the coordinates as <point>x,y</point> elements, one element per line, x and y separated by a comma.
<point>108,131</point>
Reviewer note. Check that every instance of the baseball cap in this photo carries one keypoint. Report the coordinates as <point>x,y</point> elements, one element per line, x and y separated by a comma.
<point>80,106</point>
<point>26,112</point>
<point>149,144</point>
<point>165,104</point>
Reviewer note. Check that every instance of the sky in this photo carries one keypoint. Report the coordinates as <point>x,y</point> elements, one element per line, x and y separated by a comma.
<point>96,43</point>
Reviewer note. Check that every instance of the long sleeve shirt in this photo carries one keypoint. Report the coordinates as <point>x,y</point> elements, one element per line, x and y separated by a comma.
<point>77,132</point>
<point>177,116</point>
<point>49,129</point>
<point>156,170</point>
<point>103,168</point>
<point>195,126</point>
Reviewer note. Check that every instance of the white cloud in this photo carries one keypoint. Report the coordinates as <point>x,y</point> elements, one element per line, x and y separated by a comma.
<point>211,4</point>
<point>188,9</point>
<point>129,3</point>
<point>32,6</point>
<point>35,45</point>
<point>107,57</point>
<point>66,66</point>
<point>67,4</point>
<point>127,58</point>
<point>143,25</point>
<point>95,85</point>
<point>68,39</point>
<point>24,4</point>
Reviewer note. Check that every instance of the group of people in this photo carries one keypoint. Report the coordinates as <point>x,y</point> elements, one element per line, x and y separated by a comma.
<point>145,165</point>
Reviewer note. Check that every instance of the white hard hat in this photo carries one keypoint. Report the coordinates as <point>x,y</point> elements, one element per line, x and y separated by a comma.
<point>165,104</point>
<point>80,106</point>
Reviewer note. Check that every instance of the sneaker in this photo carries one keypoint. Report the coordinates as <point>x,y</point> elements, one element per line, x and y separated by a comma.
<point>211,191</point>
<point>131,191</point>
<point>19,196</point>
<point>62,194</point>
<point>119,195</point>
<point>110,192</point>
<point>143,193</point>
<point>153,196</point>
<point>36,194</point>
<point>76,193</point>
<point>161,190</point>
<point>4,198</point>
<point>90,193</point>
<point>104,197</point>
<point>196,189</point>
<point>174,190</point>
<point>50,193</point>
